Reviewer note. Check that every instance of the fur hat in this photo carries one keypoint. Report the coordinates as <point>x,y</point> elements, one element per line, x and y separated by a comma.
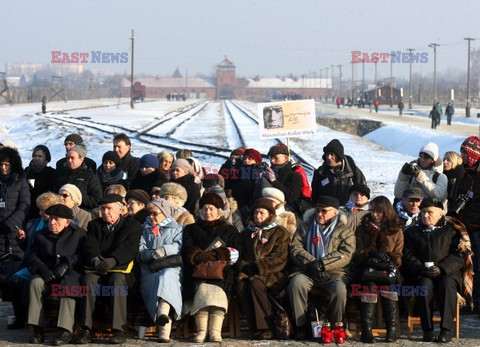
<point>278,149</point>
<point>139,195</point>
<point>45,150</point>
<point>166,207</point>
<point>112,156</point>
<point>148,160</point>
<point>431,149</point>
<point>254,154</point>
<point>11,154</point>
<point>335,147</point>
<point>176,190</point>
<point>74,192</point>
<point>80,149</point>
<point>213,179</point>
<point>184,165</point>
<point>327,201</point>
<point>238,151</point>
<point>362,188</point>
<point>212,199</point>
<point>75,138</point>
<point>471,146</point>
<point>59,210</point>
<point>263,203</point>
<point>274,194</point>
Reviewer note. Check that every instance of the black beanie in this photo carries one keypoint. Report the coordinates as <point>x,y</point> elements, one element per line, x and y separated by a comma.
<point>112,156</point>
<point>45,151</point>
<point>362,188</point>
<point>75,138</point>
<point>335,147</point>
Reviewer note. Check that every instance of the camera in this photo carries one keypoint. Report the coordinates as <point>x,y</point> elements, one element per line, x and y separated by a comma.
<point>263,165</point>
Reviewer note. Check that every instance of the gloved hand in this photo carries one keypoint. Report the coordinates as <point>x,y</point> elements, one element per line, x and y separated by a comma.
<point>407,169</point>
<point>432,272</point>
<point>203,257</point>
<point>250,270</point>
<point>60,270</point>
<point>106,264</point>
<point>222,253</point>
<point>96,261</point>
<point>158,253</point>
<point>315,270</point>
<point>45,273</point>
<point>379,254</point>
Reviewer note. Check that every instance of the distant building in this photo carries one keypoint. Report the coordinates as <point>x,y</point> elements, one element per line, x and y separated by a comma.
<point>227,86</point>
<point>383,94</point>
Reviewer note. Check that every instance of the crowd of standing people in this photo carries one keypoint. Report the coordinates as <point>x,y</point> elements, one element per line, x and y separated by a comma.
<point>186,242</point>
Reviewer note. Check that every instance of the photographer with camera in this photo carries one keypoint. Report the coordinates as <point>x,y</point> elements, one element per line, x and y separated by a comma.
<point>425,173</point>
<point>467,205</point>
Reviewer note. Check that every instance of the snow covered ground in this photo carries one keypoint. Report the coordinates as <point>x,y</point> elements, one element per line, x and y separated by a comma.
<point>380,154</point>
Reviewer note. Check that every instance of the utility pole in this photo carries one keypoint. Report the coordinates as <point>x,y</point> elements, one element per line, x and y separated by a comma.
<point>410,81</point>
<point>434,45</point>
<point>467,108</point>
<point>132,105</point>
<point>341,84</point>
<point>333,90</point>
<point>326,73</point>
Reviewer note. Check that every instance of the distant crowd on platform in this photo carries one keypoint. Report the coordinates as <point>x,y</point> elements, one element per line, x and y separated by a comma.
<point>164,233</point>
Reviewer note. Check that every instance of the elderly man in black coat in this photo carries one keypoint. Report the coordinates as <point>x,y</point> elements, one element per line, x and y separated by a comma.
<point>111,245</point>
<point>432,258</point>
<point>54,259</point>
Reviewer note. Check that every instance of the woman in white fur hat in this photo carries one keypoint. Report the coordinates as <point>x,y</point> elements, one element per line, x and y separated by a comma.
<point>72,198</point>
<point>285,218</point>
<point>177,196</point>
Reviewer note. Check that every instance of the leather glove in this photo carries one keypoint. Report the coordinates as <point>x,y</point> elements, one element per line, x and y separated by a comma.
<point>45,273</point>
<point>315,270</point>
<point>250,270</point>
<point>432,272</point>
<point>222,253</point>
<point>158,253</point>
<point>203,257</point>
<point>379,254</point>
<point>106,264</point>
<point>407,169</point>
<point>60,270</point>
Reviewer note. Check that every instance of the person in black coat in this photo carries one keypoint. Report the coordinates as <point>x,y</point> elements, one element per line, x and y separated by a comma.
<point>435,116</point>
<point>70,141</point>
<point>336,175</point>
<point>39,177</point>
<point>110,172</point>
<point>122,145</point>
<point>449,111</point>
<point>243,184</point>
<point>79,175</point>
<point>230,169</point>
<point>182,173</point>
<point>148,174</point>
<point>433,260</point>
<point>110,247</point>
<point>55,262</point>
<point>14,206</point>
<point>210,297</point>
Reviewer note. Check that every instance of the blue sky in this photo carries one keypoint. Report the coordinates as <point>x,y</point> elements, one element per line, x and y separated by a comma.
<point>265,38</point>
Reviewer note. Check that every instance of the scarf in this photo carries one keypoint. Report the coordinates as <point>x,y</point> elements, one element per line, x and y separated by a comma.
<point>317,239</point>
<point>350,207</point>
<point>256,231</point>
<point>404,215</point>
<point>157,227</point>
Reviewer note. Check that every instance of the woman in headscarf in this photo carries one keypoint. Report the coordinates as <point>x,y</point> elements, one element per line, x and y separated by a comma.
<point>211,238</point>
<point>261,266</point>
<point>137,201</point>
<point>177,195</point>
<point>161,290</point>
<point>72,198</point>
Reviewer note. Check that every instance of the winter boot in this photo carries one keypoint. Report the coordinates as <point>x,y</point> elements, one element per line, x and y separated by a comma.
<point>215,325</point>
<point>164,332</point>
<point>390,310</point>
<point>201,322</point>
<point>163,309</point>
<point>367,313</point>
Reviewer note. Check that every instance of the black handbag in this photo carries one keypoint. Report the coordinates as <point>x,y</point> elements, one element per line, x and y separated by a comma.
<point>283,326</point>
<point>168,261</point>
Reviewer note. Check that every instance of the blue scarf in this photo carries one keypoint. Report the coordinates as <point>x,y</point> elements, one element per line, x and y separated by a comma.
<point>256,231</point>
<point>316,242</point>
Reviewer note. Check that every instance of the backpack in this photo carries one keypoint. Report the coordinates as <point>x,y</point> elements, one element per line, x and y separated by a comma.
<point>306,189</point>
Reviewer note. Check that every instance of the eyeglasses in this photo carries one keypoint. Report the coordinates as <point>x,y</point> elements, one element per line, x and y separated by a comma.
<point>323,210</point>
<point>65,195</point>
<point>424,156</point>
<point>358,194</point>
<point>5,164</point>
